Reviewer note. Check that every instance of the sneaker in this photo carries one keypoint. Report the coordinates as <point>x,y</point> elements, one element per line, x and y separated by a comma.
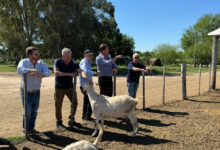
<point>60,125</point>
<point>73,123</point>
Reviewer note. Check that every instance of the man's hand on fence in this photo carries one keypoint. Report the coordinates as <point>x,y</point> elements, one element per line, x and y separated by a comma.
<point>115,71</point>
<point>83,74</point>
<point>97,74</point>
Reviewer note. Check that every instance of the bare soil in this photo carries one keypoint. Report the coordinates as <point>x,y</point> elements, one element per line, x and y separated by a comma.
<point>184,125</point>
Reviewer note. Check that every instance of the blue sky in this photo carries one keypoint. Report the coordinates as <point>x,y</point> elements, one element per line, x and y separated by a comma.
<point>152,22</point>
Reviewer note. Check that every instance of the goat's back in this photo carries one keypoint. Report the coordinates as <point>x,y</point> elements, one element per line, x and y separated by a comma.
<point>81,145</point>
<point>119,105</point>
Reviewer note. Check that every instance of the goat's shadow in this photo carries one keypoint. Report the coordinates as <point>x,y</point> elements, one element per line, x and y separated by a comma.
<point>175,114</point>
<point>153,122</point>
<point>123,126</point>
<point>139,140</point>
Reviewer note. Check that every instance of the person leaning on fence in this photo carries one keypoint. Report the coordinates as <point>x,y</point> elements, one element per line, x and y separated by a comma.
<point>106,66</point>
<point>85,65</point>
<point>35,69</point>
<point>134,71</point>
<point>65,70</point>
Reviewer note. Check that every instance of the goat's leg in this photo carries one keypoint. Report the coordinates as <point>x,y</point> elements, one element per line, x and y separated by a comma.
<point>99,138</point>
<point>96,125</point>
<point>133,119</point>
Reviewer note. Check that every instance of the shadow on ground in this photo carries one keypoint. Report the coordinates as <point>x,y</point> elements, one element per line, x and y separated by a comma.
<point>139,140</point>
<point>203,101</point>
<point>6,145</point>
<point>176,114</point>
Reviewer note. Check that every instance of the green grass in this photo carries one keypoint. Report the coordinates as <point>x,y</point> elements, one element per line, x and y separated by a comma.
<point>8,68</point>
<point>122,71</point>
<point>16,139</point>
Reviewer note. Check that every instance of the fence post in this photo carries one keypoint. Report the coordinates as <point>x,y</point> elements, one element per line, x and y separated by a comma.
<point>25,107</point>
<point>200,68</point>
<point>114,88</point>
<point>210,71</point>
<point>164,73</point>
<point>143,90</point>
<point>183,80</point>
<point>74,83</point>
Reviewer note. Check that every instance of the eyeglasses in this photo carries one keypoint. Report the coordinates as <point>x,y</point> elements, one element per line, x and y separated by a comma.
<point>136,57</point>
<point>36,54</point>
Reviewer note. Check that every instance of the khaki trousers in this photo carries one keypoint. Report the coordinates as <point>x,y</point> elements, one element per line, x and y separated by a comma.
<point>58,97</point>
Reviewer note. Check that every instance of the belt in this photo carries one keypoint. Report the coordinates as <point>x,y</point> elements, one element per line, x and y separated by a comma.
<point>33,92</point>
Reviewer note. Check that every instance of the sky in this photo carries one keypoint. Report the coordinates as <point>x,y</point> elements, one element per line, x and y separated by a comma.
<point>153,22</point>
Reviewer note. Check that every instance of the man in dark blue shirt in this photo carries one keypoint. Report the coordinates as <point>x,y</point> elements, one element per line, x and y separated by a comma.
<point>134,71</point>
<point>65,70</point>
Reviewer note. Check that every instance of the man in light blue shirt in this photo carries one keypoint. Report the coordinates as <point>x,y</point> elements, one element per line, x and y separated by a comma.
<point>106,66</point>
<point>35,70</point>
<point>85,66</point>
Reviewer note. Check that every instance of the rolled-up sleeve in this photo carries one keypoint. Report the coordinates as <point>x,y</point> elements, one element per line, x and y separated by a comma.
<point>46,70</point>
<point>114,66</point>
<point>130,66</point>
<point>86,68</point>
<point>21,67</point>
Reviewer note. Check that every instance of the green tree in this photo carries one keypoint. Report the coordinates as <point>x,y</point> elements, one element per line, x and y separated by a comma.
<point>168,54</point>
<point>196,39</point>
<point>18,25</point>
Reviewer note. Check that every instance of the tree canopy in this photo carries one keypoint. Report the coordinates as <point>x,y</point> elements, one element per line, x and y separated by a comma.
<point>196,38</point>
<point>54,24</point>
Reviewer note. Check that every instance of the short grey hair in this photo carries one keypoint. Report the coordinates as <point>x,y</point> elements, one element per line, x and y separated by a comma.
<point>66,50</point>
<point>135,55</point>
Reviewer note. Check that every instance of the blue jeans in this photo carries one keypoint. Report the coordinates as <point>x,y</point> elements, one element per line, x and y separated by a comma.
<point>32,107</point>
<point>132,88</point>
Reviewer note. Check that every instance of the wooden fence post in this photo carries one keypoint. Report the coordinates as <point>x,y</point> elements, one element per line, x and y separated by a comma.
<point>200,68</point>
<point>143,75</point>
<point>74,83</point>
<point>210,71</point>
<point>25,107</point>
<point>114,88</point>
<point>164,74</point>
<point>183,80</point>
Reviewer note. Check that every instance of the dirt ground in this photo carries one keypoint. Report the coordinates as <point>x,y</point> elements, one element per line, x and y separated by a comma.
<point>11,108</point>
<point>192,124</point>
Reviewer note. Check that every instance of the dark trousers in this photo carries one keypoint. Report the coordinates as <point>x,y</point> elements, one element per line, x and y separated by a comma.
<point>87,110</point>
<point>106,85</point>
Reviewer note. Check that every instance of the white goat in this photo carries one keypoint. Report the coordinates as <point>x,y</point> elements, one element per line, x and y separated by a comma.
<point>114,107</point>
<point>81,145</point>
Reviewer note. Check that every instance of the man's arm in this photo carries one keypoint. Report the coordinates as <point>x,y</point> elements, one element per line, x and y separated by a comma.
<point>22,69</point>
<point>82,73</point>
<point>60,74</point>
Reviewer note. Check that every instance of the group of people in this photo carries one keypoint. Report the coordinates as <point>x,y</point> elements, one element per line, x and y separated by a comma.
<point>65,70</point>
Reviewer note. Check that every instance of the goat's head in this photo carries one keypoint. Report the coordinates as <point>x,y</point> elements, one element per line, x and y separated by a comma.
<point>87,86</point>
